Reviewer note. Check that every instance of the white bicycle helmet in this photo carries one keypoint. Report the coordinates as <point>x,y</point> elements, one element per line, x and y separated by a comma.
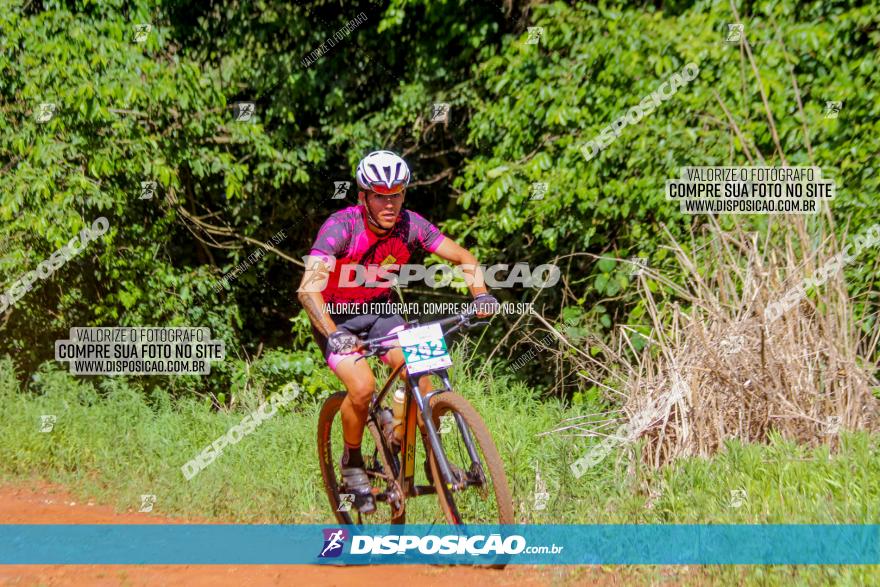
<point>383,172</point>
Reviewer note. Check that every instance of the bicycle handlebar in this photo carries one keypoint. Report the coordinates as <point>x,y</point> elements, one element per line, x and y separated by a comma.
<point>375,347</point>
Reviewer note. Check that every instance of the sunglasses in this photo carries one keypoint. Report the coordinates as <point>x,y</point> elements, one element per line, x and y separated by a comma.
<point>387,197</point>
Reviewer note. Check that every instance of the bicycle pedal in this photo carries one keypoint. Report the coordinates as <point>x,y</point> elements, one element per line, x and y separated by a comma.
<point>365,504</point>
<point>362,502</point>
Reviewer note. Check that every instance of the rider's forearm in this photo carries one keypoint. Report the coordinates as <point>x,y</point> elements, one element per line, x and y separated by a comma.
<point>471,268</point>
<point>313,303</point>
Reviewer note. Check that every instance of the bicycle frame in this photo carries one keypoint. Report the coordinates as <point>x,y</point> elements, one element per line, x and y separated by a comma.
<point>413,404</point>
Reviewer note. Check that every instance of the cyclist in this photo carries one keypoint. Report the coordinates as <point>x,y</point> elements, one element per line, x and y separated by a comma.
<point>378,232</point>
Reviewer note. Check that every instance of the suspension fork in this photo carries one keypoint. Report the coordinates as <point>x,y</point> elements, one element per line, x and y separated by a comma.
<point>423,404</point>
<point>459,420</point>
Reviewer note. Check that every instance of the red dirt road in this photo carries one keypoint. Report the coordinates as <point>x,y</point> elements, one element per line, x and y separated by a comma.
<point>41,503</point>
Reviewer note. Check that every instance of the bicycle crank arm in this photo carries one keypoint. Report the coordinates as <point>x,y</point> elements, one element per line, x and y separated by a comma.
<point>417,490</point>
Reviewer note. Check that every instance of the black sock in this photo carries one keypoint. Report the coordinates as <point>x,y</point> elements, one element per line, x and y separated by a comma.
<point>351,457</point>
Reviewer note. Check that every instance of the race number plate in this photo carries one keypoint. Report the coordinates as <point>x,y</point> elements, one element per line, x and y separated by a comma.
<point>424,348</point>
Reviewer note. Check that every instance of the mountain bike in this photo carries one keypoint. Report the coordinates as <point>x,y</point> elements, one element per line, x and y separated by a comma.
<point>463,466</point>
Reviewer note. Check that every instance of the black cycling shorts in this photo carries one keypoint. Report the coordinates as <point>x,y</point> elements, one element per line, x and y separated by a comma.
<point>363,326</point>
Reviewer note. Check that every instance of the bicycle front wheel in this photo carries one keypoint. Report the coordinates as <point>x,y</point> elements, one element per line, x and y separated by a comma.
<point>486,498</point>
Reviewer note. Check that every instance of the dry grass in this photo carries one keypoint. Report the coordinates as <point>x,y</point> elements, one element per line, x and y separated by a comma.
<point>721,370</point>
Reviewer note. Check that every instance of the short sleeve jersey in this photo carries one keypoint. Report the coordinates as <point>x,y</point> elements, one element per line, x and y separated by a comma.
<point>345,239</point>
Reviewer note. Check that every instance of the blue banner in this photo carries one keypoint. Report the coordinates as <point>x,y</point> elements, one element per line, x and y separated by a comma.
<point>480,545</point>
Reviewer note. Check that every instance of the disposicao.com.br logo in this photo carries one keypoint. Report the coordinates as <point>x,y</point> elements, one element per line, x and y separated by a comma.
<point>334,541</point>
<point>476,545</point>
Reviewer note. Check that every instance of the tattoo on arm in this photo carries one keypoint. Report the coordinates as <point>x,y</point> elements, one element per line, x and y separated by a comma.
<point>313,282</point>
<point>318,317</point>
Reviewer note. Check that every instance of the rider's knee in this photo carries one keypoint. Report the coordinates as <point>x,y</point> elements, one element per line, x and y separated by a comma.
<point>361,393</point>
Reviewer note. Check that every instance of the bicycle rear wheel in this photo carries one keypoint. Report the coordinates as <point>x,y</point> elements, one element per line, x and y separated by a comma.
<point>486,499</point>
<point>376,464</point>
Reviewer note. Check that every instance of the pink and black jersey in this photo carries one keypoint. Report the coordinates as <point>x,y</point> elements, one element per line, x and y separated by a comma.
<point>346,239</point>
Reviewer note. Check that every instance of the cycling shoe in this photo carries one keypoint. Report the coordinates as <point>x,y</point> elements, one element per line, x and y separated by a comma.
<point>356,482</point>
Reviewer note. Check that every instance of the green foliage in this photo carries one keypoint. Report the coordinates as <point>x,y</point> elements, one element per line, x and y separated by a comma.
<point>162,110</point>
<point>111,442</point>
<point>539,103</point>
